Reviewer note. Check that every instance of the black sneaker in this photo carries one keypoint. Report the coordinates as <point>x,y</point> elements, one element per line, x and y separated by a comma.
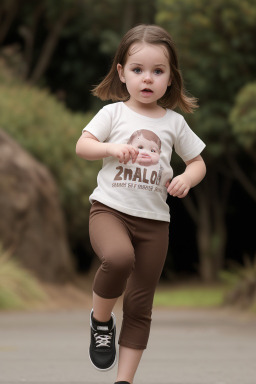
<point>121,382</point>
<point>102,349</point>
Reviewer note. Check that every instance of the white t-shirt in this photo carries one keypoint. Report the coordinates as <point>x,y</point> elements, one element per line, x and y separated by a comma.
<point>139,189</point>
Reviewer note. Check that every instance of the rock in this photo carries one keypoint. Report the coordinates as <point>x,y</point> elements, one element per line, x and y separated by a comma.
<point>32,226</point>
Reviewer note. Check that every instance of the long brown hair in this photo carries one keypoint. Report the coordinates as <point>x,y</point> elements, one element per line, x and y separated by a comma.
<point>111,87</point>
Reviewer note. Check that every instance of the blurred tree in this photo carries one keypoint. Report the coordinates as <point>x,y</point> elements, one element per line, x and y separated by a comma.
<point>217,51</point>
<point>88,46</point>
<point>68,44</point>
<point>243,122</point>
<point>31,19</point>
<point>8,12</point>
<point>57,15</point>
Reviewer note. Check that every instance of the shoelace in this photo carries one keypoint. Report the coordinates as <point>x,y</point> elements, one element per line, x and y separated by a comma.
<point>103,340</point>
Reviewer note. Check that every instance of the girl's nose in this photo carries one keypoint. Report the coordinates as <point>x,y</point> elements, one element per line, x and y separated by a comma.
<point>147,78</point>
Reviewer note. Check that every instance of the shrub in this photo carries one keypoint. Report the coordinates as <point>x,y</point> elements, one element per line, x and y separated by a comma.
<point>49,131</point>
<point>19,289</point>
<point>242,282</point>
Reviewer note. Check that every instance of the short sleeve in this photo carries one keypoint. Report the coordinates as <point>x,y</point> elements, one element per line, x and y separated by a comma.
<point>100,125</point>
<point>187,144</point>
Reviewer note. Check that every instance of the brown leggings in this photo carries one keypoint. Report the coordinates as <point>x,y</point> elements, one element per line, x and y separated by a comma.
<point>132,251</point>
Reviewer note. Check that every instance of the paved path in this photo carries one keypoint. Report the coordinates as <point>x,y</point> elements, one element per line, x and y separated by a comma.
<point>186,347</point>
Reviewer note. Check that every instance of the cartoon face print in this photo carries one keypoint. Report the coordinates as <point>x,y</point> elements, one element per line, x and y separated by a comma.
<point>149,146</point>
<point>148,151</point>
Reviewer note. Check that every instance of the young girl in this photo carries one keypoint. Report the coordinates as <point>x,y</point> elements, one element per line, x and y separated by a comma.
<point>129,217</point>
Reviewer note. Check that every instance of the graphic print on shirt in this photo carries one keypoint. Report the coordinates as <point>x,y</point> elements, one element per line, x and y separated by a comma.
<point>146,172</point>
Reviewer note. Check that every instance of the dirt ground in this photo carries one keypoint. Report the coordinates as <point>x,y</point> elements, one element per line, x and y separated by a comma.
<point>73,295</point>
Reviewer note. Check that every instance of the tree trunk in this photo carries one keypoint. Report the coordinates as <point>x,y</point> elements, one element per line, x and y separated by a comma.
<point>28,33</point>
<point>211,239</point>
<point>128,16</point>
<point>208,212</point>
<point>7,17</point>
<point>241,176</point>
<point>49,46</point>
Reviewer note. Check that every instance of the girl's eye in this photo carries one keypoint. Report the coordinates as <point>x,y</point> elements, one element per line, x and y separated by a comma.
<point>153,150</point>
<point>158,71</point>
<point>140,147</point>
<point>137,70</point>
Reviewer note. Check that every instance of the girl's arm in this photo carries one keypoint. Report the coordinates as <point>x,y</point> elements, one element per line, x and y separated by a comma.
<point>90,148</point>
<point>194,173</point>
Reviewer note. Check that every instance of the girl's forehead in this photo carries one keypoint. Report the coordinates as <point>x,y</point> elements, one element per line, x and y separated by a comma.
<point>140,47</point>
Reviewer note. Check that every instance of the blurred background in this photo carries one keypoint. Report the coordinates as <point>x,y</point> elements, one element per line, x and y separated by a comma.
<point>51,55</point>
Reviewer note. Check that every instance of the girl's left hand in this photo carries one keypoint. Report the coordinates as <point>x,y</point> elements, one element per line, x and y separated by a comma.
<point>179,186</point>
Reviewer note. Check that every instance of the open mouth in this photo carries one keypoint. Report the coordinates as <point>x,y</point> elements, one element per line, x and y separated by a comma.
<point>147,90</point>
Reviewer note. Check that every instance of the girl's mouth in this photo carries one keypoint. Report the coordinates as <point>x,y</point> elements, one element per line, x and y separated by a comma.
<point>147,90</point>
<point>145,156</point>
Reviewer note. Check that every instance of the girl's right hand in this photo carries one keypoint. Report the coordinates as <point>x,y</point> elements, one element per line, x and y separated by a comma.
<point>124,152</point>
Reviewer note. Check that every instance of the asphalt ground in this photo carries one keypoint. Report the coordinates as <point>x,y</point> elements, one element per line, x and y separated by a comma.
<point>185,347</point>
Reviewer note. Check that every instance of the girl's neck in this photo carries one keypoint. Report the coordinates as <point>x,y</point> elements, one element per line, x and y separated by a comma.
<point>149,110</point>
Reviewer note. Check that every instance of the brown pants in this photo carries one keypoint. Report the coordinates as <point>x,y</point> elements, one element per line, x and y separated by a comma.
<point>132,251</point>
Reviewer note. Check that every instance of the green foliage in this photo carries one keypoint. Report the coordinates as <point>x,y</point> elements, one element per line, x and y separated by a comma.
<point>19,289</point>
<point>77,53</point>
<point>190,297</point>
<point>85,51</point>
<point>243,117</point>
<point>242,282</point>
<point>46,129</point>
<point>217,52</point>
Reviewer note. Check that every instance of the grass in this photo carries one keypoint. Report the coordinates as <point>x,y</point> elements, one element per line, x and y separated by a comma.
<point>194,296</point>
<point>19,289</point>
<point>242,281</point>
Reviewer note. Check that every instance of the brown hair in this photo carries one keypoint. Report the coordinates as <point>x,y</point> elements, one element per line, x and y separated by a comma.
<point>111,88</point>
<point>148,135</point>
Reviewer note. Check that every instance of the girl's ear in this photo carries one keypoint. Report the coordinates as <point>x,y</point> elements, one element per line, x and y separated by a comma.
<point>120,71</point>
<point>169,82</point>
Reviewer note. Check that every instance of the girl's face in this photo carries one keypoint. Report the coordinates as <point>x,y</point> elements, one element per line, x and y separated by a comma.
<point>146,73</point>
